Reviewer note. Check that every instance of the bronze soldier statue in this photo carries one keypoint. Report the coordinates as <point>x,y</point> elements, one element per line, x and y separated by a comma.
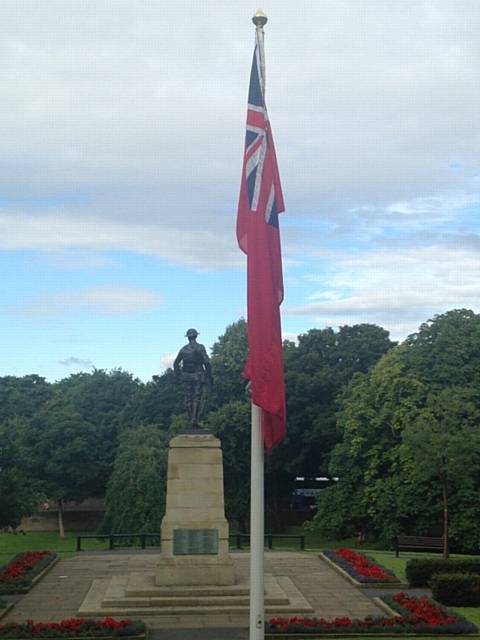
<point>192,367</point>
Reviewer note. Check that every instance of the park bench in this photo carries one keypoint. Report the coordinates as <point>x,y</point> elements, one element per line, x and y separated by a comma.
<point>418,543</point>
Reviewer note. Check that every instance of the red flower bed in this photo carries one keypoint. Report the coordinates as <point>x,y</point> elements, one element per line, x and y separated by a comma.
<point>415,615</point>
<point>74,627</point>
<point>360,567</point>
<point>21,565</point>
<point>425,610</point>
<point>17,576</point>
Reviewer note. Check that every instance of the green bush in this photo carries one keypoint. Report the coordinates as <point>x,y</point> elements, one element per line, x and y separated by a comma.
<point>460,589</point>
<point>419,571</point>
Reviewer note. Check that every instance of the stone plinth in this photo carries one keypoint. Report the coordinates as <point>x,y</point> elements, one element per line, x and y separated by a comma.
<point>194,529</point>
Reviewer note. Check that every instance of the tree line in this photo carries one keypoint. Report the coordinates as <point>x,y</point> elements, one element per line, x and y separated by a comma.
<point>360,408</point>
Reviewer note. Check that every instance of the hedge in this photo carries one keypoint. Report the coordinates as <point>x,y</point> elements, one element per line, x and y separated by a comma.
<point>420,570</point>
<point>460,589</point>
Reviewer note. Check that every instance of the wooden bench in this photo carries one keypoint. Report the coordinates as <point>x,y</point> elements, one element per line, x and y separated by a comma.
<point>418,543</point>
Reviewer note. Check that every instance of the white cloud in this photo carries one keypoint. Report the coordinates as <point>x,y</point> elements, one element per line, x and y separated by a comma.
<point>376,106</point>
<point>166,361</point>
<point>396,289</point>
<point>107,299</point>
<point>199,248</point>
<point>73,361</point>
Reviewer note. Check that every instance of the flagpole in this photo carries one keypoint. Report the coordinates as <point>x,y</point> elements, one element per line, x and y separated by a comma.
<point>257,614</point>
<point>257,495</point>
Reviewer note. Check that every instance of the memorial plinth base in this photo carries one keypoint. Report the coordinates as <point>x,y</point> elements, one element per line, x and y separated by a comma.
<point>194,529</point>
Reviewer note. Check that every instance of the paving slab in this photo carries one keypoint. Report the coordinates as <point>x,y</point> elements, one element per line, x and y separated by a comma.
<point>61,592</point>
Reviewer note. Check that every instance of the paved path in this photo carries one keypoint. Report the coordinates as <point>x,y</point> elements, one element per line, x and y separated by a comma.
<point>62,590</point>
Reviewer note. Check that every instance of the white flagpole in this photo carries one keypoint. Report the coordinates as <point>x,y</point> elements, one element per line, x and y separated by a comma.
<point>257,613</point>
<point>257,498</point>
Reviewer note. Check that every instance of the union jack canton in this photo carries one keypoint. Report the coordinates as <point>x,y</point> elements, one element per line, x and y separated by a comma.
<point>261,171</point>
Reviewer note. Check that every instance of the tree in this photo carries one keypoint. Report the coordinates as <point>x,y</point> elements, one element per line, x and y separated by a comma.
<point>18,493</point>
<point>100,398</point>
<point>157,401</point>
<point>229,354</point>
<point>231,423</point>
<point>23,396</point>
<point>316,371</point>
<point>65,454</point>
<point>410,406</point>
<point>443,446</point>
<point>135,498</point>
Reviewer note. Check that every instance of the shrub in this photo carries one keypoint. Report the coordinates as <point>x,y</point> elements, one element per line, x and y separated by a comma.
<point>460,589</point>
<point>419,571</point>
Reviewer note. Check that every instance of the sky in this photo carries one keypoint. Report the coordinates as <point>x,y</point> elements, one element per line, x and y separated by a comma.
<point>121,143</point>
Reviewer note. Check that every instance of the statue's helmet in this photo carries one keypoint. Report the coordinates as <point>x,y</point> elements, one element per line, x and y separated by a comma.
<point>191,332</point>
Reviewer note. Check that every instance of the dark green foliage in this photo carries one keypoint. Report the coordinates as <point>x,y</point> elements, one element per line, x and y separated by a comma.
<point>446,350</point>
<point>65,452</point>
<point>18,492</point>
<point>411,440</point>
<point>456,589</point>
<point>23,396</point>
<point>228,358</point>
<point>316,371</point>
<point>135,499</point>
<point>231,423</point>
<point>157,401</point>
<point>419,571</point>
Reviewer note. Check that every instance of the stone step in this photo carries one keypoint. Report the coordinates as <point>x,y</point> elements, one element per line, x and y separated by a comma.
<point>107,596</point>
<point>141,585</point>
<point>186,610</point>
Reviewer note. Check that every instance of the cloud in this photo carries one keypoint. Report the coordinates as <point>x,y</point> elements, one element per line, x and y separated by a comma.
<point>166,361</point>
<point>149,131</point>
<point>396,289</point>
<point>198,248</point>
<point>73,361</point>
<point>106,299</point>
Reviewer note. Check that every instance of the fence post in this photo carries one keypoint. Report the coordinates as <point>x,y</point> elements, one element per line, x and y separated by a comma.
<point>142,540</point>
<point>79,543</point>
<point>302,543</point>
<point>239,541</point>
<point>111,543</point>
<point>270,541</point>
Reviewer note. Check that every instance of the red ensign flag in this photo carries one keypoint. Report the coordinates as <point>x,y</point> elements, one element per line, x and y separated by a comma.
<point>258,235</point>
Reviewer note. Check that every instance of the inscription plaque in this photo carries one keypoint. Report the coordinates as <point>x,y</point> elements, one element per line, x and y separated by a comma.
<point>192,542</point>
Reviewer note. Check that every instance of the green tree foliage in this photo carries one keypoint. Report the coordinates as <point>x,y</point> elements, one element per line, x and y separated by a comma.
<point>135,498</point>
<point>231,423</point>
<point>228,358</point>
<point>316,371</point>
<point>442,449</point>
<point>100,398</point>
<point>18,493</point>
<point>23,396</point>
<point>406,428</point>
<point>64,453</point>
<point>157,401</point>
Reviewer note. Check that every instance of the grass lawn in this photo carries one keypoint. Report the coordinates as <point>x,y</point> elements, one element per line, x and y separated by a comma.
<point>11,544</point>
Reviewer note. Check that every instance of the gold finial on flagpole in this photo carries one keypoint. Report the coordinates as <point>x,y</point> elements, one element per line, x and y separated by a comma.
<point>259,19</point>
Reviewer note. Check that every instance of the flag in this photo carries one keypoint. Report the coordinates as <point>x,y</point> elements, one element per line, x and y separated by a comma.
<point>258,236</point>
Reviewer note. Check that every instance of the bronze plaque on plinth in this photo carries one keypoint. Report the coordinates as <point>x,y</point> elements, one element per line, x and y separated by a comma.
<point>190,542</point>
